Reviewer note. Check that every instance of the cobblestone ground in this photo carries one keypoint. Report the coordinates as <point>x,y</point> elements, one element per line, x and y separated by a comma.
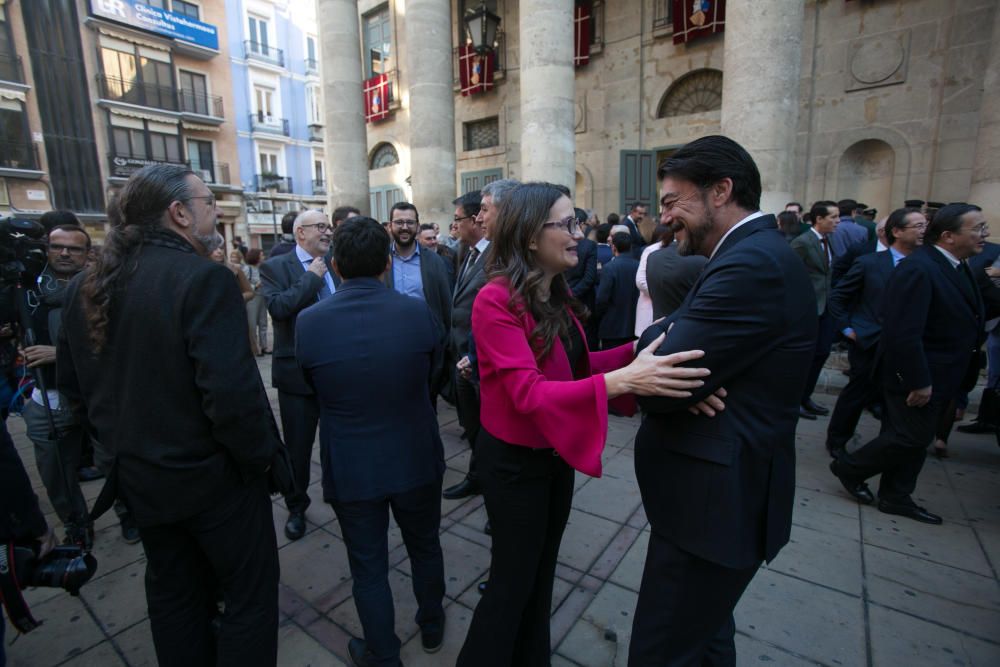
<point>854,586</point>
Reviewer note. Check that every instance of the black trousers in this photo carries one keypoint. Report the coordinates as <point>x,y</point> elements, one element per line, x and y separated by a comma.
<point>299,418</point>
<point>824,341</point>
<point>528,493</point>
<point>229,547</point>
<point>365,526</point>
<point>684,615</point>
<point>467,405</point>
<point>861,391</point>
<point>608,343</point>
<point>899,451</point>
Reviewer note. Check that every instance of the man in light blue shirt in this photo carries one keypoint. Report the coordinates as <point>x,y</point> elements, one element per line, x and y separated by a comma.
<point>403,226</point>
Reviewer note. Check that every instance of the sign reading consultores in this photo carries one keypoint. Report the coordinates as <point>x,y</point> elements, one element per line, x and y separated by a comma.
<point>138,14</point>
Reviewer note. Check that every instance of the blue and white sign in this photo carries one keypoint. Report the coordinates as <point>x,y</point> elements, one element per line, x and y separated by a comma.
<point>138,14</point>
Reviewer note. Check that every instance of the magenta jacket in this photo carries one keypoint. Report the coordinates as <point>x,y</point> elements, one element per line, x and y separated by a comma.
<point>538,403</point>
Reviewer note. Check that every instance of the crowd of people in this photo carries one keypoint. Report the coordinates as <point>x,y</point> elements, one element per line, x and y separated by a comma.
<point>535,320</point>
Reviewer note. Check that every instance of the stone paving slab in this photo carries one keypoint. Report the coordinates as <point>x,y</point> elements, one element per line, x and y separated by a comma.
<point>853,587</point>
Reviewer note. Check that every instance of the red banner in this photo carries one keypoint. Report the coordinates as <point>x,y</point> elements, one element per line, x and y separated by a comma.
<point>698,18</point>
<point>582,17</point>
<point>475,71</point>
<point>376,93</point>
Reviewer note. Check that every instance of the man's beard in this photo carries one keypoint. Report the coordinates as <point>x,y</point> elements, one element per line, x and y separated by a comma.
<point>405,245</point>
<point>211,241</point>
<point>694,236</point>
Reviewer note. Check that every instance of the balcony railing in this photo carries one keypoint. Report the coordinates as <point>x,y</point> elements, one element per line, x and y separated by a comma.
<point>501,60</point>
<point>213,173</point>
<point>263,52</point>
<point>11,68</point>
<point>18,155</point>
<point>138,93</point>
<point>200,103</point>
<point>316,132</point>
<point>265,182</point>
<point>261,122</point>
<point>319,187</point>
<point>312,66</point>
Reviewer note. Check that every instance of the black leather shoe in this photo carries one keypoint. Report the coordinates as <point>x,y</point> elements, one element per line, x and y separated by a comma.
<point>805,414</point>
<point>432,640</point>
<point>974,427</point>
<point>358,650</point>
<point>482,586</point>
<point>858,490</point>
<point>910,510</point>
<point>130,532</point>
<point>295,527</point>
<point>815,408</point>
<point>467,487</point>
<point>89,474</point>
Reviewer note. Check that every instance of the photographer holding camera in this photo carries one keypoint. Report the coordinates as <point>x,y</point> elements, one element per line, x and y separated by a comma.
<point>57,454</point>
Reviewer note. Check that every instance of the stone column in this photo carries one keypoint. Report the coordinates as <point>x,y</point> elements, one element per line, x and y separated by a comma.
<point>760,89</point>
<point>432,108</point>
<point>346,137</point>
<point>548,92</point>
<point>985,189</point>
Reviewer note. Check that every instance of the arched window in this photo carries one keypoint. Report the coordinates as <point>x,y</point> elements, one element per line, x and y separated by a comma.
<point>695,92</point>
<point>384,155</point>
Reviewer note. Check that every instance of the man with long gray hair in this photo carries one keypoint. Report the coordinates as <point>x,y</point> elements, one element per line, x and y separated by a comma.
<point>154,350</point>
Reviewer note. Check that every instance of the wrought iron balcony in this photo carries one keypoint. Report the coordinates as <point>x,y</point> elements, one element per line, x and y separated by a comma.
<point>213,173</point>
<point>138,93</point>
<point>264,53</point>
<point>200,103</point>
<point>261,122</point>
<point>19,155</point>
<point>316,132</point>
<point>312,66</point>
<point>319,187</point>
<point>265,182</point>
<point>11,68</point>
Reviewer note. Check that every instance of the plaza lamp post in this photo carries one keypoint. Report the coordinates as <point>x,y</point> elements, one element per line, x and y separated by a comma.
<point>481,26</point>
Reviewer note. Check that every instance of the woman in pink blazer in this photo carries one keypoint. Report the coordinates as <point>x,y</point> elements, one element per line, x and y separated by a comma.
<point>544,414</point>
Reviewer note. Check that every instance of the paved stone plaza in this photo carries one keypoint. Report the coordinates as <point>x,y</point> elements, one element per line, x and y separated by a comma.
<point>854,586</point>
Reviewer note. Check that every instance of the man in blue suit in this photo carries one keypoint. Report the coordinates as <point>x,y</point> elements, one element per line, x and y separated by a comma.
<point>932,326</point>
<point>363,349</point>
<point>617,295</point>
<point>855,306</point>
<point>718,491</point>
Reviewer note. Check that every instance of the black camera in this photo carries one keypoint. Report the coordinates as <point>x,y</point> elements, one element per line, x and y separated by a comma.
<point>68,567</point>
<point>23,251</point>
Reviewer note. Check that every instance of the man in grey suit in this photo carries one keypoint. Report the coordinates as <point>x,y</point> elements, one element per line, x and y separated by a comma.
<point>814,249</point>
<point>291,283</point>
<point>671,276</point>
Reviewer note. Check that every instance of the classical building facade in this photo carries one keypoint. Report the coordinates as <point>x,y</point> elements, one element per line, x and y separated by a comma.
<point>108,86</point>
<point>276,90</point>
<point>878,100</point>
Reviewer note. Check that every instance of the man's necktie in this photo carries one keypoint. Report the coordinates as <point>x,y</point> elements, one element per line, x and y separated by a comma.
<point>473,256</point>
<point>966,272</point>
<point>826,251</point>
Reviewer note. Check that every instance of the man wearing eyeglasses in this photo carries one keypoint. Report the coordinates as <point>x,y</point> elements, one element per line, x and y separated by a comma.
<point>291,283</point>
<point>57,457</point>
<point>416,274</point>
<point>932,326</point>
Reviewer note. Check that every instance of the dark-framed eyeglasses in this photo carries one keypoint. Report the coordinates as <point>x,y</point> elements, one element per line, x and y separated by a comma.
<point>58,249</point>
<point>569,223</point>
<point>320,226</point>
<point>405,223</point>
<point>209,199</point>
<point>464,217</point>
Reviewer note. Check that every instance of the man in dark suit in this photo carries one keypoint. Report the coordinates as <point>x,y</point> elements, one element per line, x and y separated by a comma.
<point>988,418</point>
<point>291,283</point>
<point>166,378</point>
<point>617,295</point>
<point>670,276</point>
<point>856,310</point>
<point>718,491</point>
<point>421,275</point>
<point>635,220</point>
<point>472,233</point>
<point>582,278</point>
<point>428,238</point>
<point>815,251</point>
<point>363,349</point>
<point>932,325</point>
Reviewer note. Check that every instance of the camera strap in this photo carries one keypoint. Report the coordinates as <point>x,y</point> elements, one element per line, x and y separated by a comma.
<point>10,592</point>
